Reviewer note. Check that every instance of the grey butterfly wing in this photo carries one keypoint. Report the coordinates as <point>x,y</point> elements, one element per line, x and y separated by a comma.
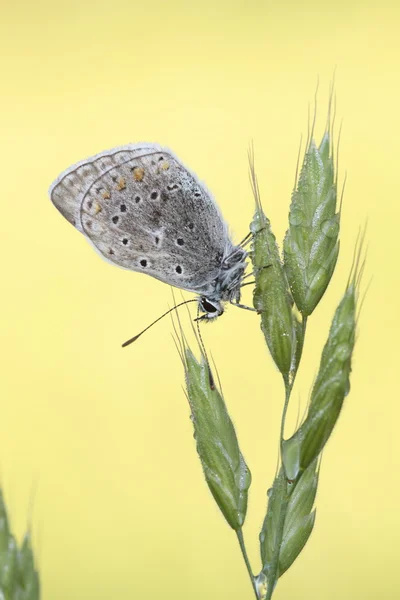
<point>144,211</point>
<point>68,190</point>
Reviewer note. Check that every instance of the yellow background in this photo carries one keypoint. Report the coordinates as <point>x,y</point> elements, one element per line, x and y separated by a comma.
<point>96,444</point>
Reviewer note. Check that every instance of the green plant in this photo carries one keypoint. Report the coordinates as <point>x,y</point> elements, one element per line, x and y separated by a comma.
<point>287,290</point>
<point>19,579</point>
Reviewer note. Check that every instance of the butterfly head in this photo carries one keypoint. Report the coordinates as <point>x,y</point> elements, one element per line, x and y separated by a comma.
<point>226,287</point>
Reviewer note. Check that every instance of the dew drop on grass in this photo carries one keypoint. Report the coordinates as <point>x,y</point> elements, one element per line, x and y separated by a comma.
<point>343,352</point>
<point>296,218</point>
<point>330,228</point>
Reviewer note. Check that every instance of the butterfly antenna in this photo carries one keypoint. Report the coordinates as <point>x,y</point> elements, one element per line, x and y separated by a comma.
<point>127,343</point>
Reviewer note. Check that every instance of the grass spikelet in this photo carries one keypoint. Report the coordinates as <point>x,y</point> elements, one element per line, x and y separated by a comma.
<point>19,579</point>
<point>330,388</point>
<point>288,523</point>
<point>311,244</point>
<point>300,518</point>
<point>225,470</point>
<point>272,298</point>
<point>269,535</point>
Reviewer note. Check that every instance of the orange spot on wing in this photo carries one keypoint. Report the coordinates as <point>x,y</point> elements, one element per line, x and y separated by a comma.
<point>121,184</point>
<point>138,173</point>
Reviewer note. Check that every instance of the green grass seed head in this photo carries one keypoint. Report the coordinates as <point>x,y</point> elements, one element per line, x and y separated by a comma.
<point>28,574</point>
<point>8,554</point>
<point>300,518</point>
<point>331,386</point>
<point>4,527</point>
<point>225,470</point>
<point>271,294</point>
<point>9,575</point>
<point>282,290</point>
<point>294,503</point>
<point>19,579</point>
<point>269,539</point>
<point>311,243</point>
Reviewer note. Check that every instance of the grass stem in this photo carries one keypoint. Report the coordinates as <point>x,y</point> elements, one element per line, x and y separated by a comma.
<point>240,538</point>
<point>273,572</point>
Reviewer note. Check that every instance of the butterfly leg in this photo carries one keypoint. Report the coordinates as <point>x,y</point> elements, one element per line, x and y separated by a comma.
<point>246,240</point>
<point>252,274</point>
<point>248,275</point>
<point>243,306</point>
<point>249,237</point>
<point>248,283</point>
<point>235,285</point>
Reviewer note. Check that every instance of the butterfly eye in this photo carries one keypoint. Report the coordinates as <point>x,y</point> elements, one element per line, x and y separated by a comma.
<point>180,242</point>
<point>207,306</point>
<point>178,269</point>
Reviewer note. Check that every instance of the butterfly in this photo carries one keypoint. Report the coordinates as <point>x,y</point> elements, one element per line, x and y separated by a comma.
<point>144,211</point>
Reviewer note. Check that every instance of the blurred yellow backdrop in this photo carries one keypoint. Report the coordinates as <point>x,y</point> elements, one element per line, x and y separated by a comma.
<point>96,444</point>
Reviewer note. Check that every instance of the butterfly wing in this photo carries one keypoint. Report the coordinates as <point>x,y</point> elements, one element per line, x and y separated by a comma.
<point>144,211</point>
